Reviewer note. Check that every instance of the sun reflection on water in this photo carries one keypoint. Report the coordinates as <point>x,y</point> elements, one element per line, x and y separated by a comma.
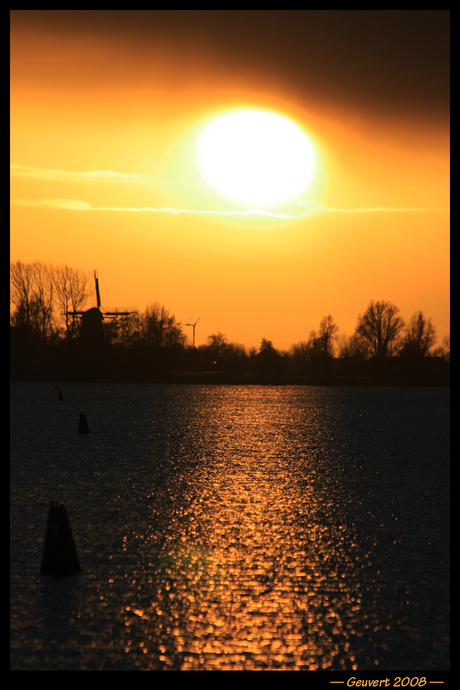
<point>255,580</point>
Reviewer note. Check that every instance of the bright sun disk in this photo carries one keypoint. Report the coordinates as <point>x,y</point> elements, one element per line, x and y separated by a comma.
<point>256,156</point>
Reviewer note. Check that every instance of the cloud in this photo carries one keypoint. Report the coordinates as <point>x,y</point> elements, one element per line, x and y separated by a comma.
<point>93,176</point>
<point>385,209</point>
<point>69,204</point>
<point>75,205</point>
<point>310,209</point>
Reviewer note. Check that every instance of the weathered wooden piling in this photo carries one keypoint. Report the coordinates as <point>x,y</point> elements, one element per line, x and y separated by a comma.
<point>59,552</point>
<point>83,427</point>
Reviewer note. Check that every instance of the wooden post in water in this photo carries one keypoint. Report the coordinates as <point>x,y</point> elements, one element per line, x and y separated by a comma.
<point>83,427</point>
<point>59,552</point>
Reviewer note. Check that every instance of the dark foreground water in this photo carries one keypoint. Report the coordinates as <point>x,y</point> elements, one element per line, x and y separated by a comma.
<point>232,528</point>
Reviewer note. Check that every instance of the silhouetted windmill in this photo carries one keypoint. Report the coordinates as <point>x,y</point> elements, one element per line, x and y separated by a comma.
<point>91,319</point>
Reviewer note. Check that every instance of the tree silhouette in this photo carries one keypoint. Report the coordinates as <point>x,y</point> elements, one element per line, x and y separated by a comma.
<point>420,336</point>
<point>21,282</point>
<point>71,291</point>
<point>319,348</point>
<point>266,346</point>
<point>32,293</point>
<point>159,329</point>
<point>444,350</point>
<point>350,346</point>
<point>379,329</point>
<point>217,341</point>
<point>327,331</point>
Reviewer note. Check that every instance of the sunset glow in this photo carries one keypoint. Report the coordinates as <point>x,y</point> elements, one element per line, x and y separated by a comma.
<point>230,342</point>
<point>123,160</point>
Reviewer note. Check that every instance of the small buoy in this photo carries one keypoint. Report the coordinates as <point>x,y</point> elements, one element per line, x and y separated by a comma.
<point>60,396</point>
<point>59,552</point>
<point>83,427</point>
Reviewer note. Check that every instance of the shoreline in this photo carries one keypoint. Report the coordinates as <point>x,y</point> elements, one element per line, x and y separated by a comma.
<point>225,378</point>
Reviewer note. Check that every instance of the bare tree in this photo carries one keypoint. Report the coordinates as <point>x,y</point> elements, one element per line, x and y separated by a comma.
<point>420,336</point>
<point>344,345</point>
<point>21,281</point>
<point>217,341</point>
<point>300,354</point>
<point>444,349</point>
<point>123,331</point>
<point>379,329</point>
<point>43,295</point>
<point>32,295</point>
<point>71,292</point>
<point>326,336</point>
<point>266,346</point>
<point>320,345</point>
<point>350,346</point>
<point>159,328</point>
<point>299,351</point>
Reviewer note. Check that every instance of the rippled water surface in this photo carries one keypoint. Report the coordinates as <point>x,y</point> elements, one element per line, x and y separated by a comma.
<point>232,527</point>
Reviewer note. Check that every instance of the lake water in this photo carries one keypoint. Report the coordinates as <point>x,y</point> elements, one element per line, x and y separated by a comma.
<point>232,527</point>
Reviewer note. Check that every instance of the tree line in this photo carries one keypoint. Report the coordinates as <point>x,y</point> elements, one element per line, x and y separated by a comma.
<point>47,303</point>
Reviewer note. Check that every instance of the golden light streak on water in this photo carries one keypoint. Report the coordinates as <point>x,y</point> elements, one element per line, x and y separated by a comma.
<point>256,579</point>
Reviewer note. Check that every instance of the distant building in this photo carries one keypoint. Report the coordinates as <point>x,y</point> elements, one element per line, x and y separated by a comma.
<point>92,333</point>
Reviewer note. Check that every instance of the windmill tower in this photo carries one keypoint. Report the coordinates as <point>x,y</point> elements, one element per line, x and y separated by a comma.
<point>92,333</point>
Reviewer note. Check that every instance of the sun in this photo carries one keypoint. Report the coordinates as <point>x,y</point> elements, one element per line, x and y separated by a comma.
<point>256,156</point>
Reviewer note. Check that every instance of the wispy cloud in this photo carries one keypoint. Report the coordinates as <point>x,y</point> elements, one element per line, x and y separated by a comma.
<point>93,176</point>
<point>310,209</point>
<point>384,209</point>
<point>68,204</point>
<point>307,208</point>
<point>76,205</point>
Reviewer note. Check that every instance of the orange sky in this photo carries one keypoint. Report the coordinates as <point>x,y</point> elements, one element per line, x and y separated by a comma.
<point>128,98</point>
